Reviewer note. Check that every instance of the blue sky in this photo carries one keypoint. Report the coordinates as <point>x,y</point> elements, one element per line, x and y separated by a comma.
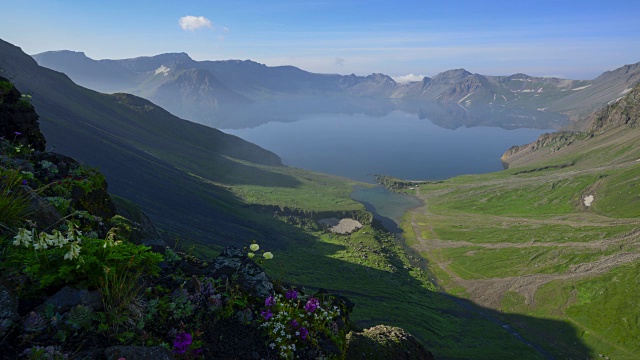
<point>570,39</point>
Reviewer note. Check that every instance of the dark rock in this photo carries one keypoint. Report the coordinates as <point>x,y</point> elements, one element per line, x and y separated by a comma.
<point>138,353</point>
<point>233,262</point>
<point>69,297</point>
<point>191,269</point>
<point>18,119</point>
<point>17,163</point>
<point>143,227</point>
<point>8,309</point>
<point>40,210</point>
<point>97,202</point>
<point>385,343</point>
<point>156,245</point>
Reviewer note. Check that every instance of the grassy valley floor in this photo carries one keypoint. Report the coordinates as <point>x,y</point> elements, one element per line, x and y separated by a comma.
<point>524,243</point>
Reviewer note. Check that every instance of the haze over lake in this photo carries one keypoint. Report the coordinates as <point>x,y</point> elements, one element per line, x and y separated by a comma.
<point>398,143</point>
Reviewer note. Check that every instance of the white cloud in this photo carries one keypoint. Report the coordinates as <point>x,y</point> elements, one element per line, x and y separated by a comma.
<point>408,78</point>
<point>192,23</point>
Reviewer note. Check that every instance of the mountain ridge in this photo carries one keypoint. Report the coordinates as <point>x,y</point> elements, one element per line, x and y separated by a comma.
<point>258,82</point>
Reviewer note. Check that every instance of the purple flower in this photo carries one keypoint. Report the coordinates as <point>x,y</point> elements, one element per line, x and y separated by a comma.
<point>304,333</point>
<point>24,182</point>
<point>291,295</point>
<point>18,133</point>
<point>182,343</point>
<point>270,301</point>
<point>267,314</point>
<point>312,305</point>
<point>294,323</point>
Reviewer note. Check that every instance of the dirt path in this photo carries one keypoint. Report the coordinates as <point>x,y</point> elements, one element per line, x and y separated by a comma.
<point>489,292</point>
<point>631,238</point>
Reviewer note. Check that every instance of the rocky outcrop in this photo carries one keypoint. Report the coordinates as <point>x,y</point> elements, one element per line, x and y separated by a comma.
<point>385,343</point>
<point>625,112</point>
<point>234,263</point>
<point>18,119</point>
<point>550,141</point>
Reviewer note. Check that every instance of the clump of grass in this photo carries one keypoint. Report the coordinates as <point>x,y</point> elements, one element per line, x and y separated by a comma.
<point>13,200</point>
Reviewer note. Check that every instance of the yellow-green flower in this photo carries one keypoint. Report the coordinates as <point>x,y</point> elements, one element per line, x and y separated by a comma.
<point>254,247</point>
<point>268,255</point>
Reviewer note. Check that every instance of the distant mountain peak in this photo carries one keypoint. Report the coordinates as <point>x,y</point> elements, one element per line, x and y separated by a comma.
<point>451,76</point>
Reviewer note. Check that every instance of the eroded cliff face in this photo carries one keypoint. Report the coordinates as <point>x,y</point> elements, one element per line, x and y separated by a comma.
<point>622,113</point>
<point>18,118</point>
<point>625,112</point>
<point>550,141</point>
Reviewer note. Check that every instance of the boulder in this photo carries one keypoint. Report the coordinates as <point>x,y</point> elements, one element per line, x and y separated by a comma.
<point>234,262</point>
<point>385,343</point>
<point>68,297</point>
<point>8,309</point>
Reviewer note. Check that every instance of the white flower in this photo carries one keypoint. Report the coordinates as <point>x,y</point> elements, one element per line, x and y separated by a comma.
<point>254,247</point>
<point>23,237</point>
<point>73,232</point>
<point>42,242</point>
<point>268,255</point>
<point>74,251</point>
<point>57,239</point>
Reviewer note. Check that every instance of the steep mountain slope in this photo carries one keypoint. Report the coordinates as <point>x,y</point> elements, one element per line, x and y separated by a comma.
<point>165,164</point>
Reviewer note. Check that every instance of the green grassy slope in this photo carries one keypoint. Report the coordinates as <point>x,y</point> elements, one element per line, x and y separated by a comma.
<point>524,242</point>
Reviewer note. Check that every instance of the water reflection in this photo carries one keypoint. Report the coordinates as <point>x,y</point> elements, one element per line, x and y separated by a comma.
<point>445,115</point>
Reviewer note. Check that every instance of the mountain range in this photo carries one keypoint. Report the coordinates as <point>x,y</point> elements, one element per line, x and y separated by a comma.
<point>207,91</point>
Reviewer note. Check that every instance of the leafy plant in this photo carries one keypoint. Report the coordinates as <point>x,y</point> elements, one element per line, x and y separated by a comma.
<point>61,204</point>
<point>5,87</point>
<point>49,166</point>
<point>80,316</point>
<point>54,259</point>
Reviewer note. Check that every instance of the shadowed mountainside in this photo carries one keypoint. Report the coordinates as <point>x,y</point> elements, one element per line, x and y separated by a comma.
<point>167,165</point>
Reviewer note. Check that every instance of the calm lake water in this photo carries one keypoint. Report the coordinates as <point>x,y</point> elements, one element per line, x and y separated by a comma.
<point>397,143</point>
<point>388,207</point>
